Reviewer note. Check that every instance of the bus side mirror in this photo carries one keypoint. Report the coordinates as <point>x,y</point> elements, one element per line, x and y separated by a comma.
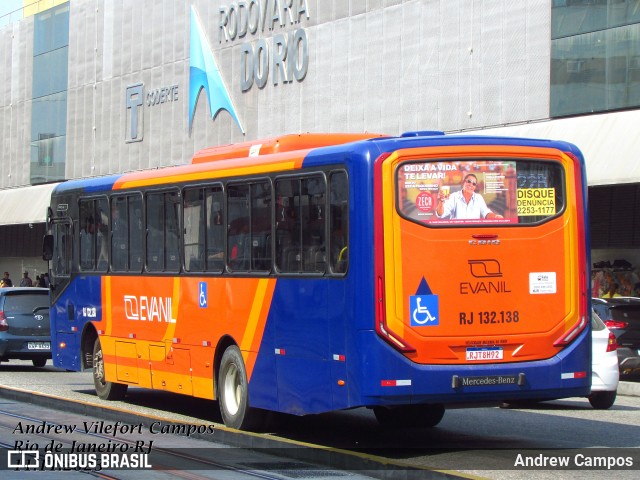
<point>47,248</point>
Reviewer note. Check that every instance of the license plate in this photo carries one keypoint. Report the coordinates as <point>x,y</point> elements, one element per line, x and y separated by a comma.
<point>486,353</point>
<point>38,346</point>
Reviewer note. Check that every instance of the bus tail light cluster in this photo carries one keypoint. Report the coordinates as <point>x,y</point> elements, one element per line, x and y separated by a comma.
<point>572,333</point>
<point>583,282</point>
<point>381,323</point>
<point>381,318</point>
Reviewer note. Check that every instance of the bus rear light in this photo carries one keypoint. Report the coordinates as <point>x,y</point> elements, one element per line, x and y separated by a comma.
<point>382,328</point>
<point>381,324</point>
<point>4,326</point>
<point>572,333</point>
<point>615,324</point>
<point>62,345</point>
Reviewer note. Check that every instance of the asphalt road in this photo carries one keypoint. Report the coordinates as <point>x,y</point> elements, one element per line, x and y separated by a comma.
<point>486,442</point>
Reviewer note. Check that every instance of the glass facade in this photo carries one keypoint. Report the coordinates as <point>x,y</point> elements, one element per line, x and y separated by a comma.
<point>49,93</point>
<point>595,56</point>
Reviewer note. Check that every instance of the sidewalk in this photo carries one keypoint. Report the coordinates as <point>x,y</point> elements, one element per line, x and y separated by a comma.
<point>629,388</point>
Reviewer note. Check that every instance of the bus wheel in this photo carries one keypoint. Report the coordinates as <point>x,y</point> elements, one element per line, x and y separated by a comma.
<point>425,416</point>
<point>233,393</point>
<point>105,390</point>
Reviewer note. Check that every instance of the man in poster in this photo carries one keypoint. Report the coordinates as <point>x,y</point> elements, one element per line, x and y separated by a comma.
<point>464,204</point>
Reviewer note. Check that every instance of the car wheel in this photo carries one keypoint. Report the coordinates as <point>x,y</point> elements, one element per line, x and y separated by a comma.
<point>105,390</point>
<point>602,400</point>
<point>39,362</point>
<point>233,393</point>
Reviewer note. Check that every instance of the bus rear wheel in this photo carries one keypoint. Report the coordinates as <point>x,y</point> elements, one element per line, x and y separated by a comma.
<point>233,393</point>
<point>105,390</point>
<point>425,416</point>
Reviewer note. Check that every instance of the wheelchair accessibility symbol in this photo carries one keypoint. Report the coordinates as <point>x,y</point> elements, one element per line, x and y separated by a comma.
<point>424,310</point>
<point>202,297</point>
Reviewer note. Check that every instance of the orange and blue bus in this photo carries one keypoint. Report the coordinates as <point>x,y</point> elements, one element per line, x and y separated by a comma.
<point>314,273</point>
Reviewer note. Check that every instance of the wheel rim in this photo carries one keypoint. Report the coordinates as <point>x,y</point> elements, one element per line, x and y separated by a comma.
<point>98,367</point>
<point>232,390</point>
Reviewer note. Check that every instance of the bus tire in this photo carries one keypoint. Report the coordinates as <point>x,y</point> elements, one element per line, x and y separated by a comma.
<point>233,393</point>
<point>104,389</point>
<point>602,400</point>
<point>425,416</point>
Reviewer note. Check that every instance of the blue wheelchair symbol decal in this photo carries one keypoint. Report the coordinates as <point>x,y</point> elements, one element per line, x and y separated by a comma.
<point>424,310</point>
<point>202,298</point>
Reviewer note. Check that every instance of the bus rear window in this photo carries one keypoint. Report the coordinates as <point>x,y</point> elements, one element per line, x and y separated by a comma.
<point>480,191</point>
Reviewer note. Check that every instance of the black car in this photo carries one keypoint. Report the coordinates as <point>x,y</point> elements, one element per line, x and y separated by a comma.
<point>622,316</point>
<point>25,332</point>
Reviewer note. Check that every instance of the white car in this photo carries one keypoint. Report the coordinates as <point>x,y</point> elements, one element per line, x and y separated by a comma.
<point>605,376</point>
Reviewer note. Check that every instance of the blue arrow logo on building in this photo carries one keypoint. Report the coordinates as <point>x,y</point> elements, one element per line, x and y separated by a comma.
<point>204,74</point>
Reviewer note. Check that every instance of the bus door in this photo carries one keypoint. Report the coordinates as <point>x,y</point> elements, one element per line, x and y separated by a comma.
<point>62,315</point>
<point>482,251</point>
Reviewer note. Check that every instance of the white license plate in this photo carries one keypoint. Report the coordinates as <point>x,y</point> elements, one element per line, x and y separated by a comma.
<point>488,353</point>
<point>38,346</point>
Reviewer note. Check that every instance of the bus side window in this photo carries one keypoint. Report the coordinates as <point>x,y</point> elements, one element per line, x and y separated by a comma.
<point>214,202</point>
<point>64,250</point>
<point>261,226</point>
<point>171,225</point>
<point>155,228</point>
<point>313,229</point>
<point>193,232</point>
<point>102,234</point>
<point>287,239</point>
<point>136,233</point>
<point>238,239</point>
<point>87,235</point>
<point>119,234</point>
<point>339,222</point>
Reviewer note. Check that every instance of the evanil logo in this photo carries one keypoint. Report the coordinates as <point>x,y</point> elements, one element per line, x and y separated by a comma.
<point>204,74</point>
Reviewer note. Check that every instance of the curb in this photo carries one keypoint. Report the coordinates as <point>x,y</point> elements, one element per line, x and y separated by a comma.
<point>629,388</point>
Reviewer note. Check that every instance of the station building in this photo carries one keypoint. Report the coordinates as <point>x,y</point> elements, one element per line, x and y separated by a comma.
<point>93,87</point>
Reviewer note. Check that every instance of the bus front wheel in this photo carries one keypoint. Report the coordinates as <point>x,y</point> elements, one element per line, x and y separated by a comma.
<point>105,390</point>
<point>233,393</point>
<point>425,416</point>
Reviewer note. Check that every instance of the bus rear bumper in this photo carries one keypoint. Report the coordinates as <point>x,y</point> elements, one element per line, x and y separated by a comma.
<point>400,382</point>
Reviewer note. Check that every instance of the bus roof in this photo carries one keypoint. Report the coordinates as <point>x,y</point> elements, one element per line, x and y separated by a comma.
<point>288,152</point>
<point>284,143</point>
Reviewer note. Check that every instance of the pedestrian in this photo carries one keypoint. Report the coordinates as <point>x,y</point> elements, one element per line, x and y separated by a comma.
<point>6,280</point>
<point>26,281</point>
<point>45,280</point>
